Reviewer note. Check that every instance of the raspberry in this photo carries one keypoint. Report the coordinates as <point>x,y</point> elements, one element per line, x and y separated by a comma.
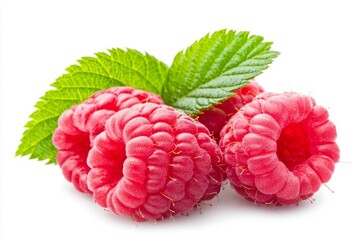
<point>279,148</point>
<point>78,127</point>
<point>152,162</point>
<point>215,118</point>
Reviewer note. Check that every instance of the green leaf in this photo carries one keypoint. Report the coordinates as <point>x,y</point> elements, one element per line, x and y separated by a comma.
<point>105,70</point>
<point>212,68</point>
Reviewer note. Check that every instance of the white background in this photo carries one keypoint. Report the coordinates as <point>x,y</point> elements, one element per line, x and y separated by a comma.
<point>319,42</point>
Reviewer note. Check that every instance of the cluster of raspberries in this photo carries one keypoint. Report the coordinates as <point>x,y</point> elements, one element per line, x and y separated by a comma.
<point>138,157</point>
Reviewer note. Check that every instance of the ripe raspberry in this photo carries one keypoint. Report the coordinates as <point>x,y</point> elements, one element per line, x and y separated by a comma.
<point>152,162</point>
<point>216,118</point>
<point>78,127</point>
<point>279,148</point>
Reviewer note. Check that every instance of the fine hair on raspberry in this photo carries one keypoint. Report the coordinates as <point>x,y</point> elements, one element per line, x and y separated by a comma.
<point>279,148</point>
<point>78,126</point>
<point>152,162</point>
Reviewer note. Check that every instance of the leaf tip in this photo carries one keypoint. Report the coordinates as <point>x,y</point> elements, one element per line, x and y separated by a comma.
<point>18,152</point>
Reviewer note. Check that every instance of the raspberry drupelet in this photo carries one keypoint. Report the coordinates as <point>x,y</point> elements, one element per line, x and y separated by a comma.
<point>279,148</point>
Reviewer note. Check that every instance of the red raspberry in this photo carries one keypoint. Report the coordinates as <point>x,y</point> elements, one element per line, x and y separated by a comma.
<point>279,148</point>
<point>78,127</point>
<point>216,118</point>
<point>152,162</point>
